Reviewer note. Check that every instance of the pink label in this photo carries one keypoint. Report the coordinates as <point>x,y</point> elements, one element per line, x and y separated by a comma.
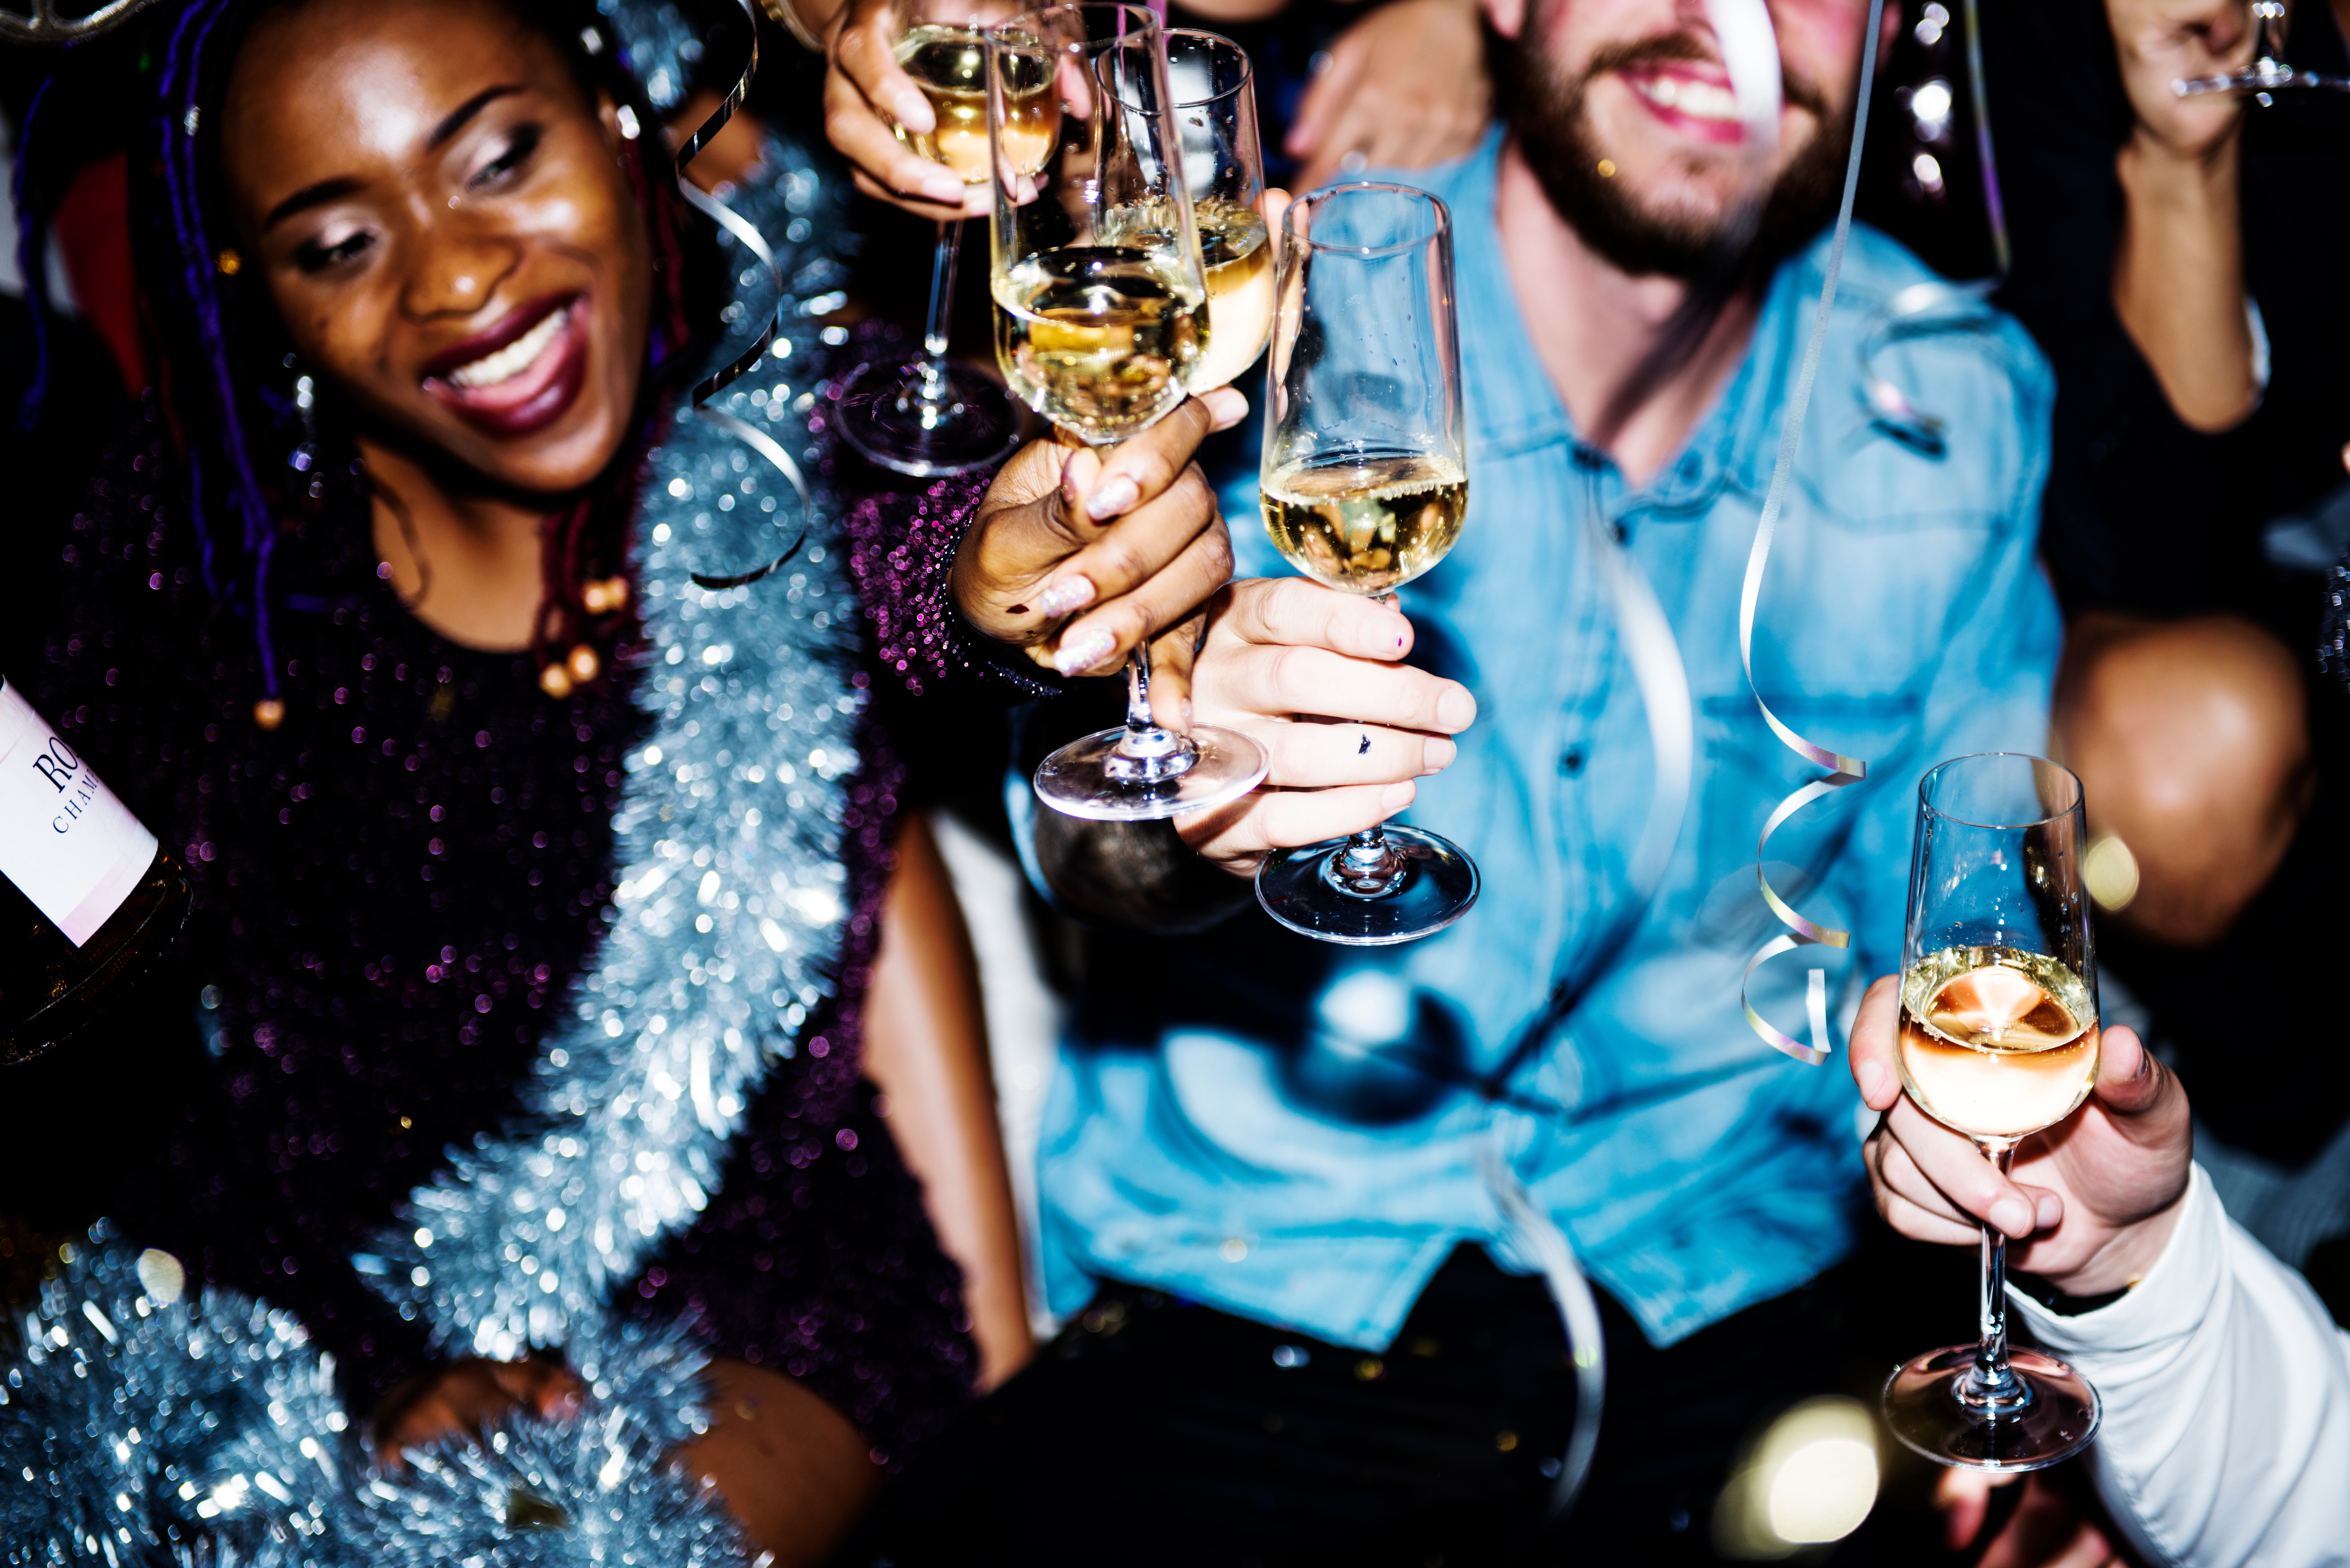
<point>66,842</point>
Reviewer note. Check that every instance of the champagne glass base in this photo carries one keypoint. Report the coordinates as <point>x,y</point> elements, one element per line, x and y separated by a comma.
<point>1923,1407</point>
<point>1307,890</point>
<point>962,420</point>
<point>1094,778</point>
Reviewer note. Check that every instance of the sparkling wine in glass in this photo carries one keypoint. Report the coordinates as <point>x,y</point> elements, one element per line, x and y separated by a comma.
<point>1224,164</point>
<point>930,415</point>
<point>1365,483</point>
<point>1999,1037</point>
<point>1101,317</point>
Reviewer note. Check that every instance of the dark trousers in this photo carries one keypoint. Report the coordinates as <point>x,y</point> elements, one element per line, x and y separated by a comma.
<point>1155,1430</point>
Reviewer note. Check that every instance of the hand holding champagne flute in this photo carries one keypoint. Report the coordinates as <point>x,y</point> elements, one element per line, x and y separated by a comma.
<point>1101,317</point>
<point>1998,1038</point>
<point>930,415</point>
<point>1365,483</point>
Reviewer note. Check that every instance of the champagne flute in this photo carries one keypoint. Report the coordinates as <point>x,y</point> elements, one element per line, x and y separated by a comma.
<point>930,415</point>
<point>1365,484</point>
<point>1224,164</point>
<point>2268,71</point>
<point>1100,318</point>
<point>1999,1036</point>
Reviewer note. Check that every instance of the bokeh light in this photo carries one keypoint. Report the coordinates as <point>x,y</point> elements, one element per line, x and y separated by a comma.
<point>1811,1478</point>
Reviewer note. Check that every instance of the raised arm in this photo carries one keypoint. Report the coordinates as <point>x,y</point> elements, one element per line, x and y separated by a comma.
<point>2179,270</point>
<point>2226,1385</point>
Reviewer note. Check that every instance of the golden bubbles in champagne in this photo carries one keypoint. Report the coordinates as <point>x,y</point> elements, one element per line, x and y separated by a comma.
<point>950,64</point>
<point>1996,1043</point>
<point>1366,523</point>
<point>1100,339</point>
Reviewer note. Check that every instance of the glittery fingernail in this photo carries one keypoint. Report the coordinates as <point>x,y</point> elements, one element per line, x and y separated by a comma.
<point>1083,652</point>
<point>1065,596</point>
<point>1115,496</point>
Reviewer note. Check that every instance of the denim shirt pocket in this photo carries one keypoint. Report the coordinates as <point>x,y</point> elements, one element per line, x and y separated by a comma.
<point>1746,770</point>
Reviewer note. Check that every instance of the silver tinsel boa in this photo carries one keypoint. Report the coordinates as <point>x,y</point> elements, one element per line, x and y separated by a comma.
<point>143,1425</point>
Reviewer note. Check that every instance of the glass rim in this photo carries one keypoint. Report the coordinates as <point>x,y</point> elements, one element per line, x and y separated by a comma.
<point>1214,40</point>
<point>1927,779</point>
<point>1312,200</point>
<point>1000,31</point>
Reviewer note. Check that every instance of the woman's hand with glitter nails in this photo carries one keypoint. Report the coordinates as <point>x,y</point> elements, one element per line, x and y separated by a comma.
<point>1077,553</point>
<point>2092,1199</point>
<point>1317,678</point>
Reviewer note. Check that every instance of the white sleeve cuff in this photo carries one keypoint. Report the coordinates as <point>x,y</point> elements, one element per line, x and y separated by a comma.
<point>2168,1301</point>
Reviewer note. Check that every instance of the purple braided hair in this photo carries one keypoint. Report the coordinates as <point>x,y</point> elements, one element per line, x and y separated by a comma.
<point>181,92</point>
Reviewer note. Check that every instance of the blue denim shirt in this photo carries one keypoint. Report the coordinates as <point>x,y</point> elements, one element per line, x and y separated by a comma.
<point>1273,1125</point>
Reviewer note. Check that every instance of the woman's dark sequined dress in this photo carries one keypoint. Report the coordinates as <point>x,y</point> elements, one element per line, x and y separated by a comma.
<point>393,891</point>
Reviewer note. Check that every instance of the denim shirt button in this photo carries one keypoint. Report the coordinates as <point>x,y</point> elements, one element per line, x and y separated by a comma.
<point>1570,762</point>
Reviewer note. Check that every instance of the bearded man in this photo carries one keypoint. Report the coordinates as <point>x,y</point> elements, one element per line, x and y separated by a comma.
<point>1302,1326</point>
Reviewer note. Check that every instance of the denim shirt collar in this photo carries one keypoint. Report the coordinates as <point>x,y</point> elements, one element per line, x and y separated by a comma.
<point>1513,406</point>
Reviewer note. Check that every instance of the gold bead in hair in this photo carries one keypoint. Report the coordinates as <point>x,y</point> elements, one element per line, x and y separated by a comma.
<point>229,262</point>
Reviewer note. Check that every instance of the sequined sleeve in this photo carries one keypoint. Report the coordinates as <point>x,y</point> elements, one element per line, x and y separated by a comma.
<point>902,547</point>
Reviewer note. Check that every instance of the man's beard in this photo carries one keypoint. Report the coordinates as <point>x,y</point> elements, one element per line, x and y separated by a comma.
<point>1549,119</point>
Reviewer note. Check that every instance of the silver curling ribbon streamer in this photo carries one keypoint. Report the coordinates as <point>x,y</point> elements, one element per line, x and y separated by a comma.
<point>1578,1310</point>
<point>1841,770</point>
<point>1750,53</point>
<point>750,239</point>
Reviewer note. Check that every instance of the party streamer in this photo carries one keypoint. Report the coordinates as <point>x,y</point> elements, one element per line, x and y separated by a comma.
<point>751,240</point>
<point>1841,770</point>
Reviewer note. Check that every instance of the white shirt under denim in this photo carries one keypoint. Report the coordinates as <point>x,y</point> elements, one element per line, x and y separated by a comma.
<point>2225,1441</point>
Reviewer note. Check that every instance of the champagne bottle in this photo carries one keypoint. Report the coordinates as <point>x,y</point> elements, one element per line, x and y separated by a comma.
<point>89,899</point>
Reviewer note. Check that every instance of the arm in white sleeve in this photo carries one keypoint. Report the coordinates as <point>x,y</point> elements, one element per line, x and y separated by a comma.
<point>2225,1441</point>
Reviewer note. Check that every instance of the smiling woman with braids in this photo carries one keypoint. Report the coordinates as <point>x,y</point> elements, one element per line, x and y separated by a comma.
<point>554,921</point>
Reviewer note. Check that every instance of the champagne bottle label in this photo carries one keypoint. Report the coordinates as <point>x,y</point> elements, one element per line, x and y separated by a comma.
<point>66,841</point>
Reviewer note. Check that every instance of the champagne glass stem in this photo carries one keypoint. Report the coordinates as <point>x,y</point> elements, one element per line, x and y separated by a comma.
<point>1368,866</point>
<point>1993,1389</point>
<point>1138,690</point>
<point>941,311</point>
<point>1149,753</point>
